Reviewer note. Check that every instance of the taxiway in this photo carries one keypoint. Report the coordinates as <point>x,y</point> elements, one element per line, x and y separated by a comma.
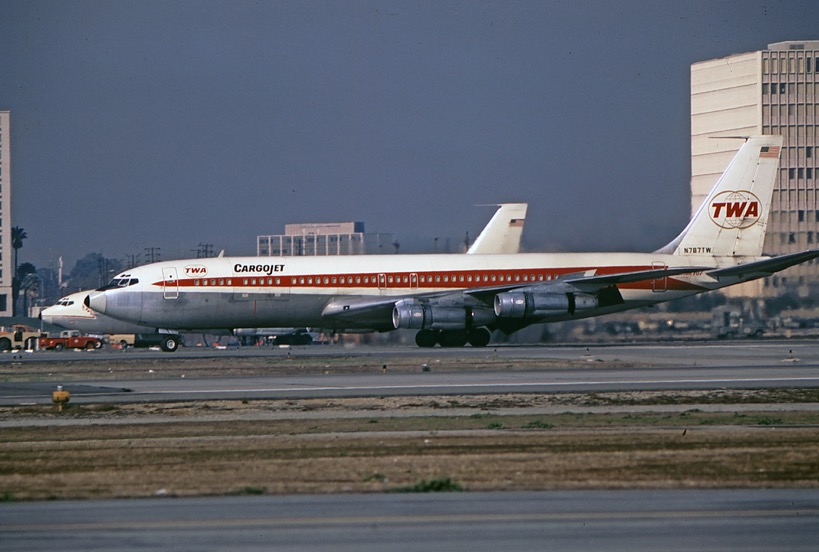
<point>735,365</point>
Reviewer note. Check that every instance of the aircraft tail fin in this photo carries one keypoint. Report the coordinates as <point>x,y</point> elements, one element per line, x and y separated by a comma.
<point>732,220</point>
<point>503,232</point>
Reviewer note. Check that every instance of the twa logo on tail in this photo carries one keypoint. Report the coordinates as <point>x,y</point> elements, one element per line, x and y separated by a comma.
<point>734,209</point>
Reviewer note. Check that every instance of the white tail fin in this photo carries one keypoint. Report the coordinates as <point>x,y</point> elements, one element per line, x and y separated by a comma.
<point>731,222</point>
<point>502,234</point>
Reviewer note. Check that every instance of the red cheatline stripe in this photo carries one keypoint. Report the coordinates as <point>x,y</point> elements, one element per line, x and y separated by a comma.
<point>455,279</point>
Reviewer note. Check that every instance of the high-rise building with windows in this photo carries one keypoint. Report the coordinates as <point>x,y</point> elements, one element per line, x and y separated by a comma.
<point>772,91</point>
<point>6,262</point>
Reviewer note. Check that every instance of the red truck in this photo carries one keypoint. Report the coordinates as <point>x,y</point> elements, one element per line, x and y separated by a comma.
<point>69,339</point>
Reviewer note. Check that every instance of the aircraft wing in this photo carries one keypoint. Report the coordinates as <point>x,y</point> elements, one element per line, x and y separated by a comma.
<point>594,283</point>
<point>766,267</point>
<point>588,282</point>
<point>377,310</point>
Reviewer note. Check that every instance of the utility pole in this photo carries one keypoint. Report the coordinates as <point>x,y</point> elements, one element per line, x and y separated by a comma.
<point>102,268</point>
<point>132,259</point>
<point>204,250</point>
<point>152,254</point>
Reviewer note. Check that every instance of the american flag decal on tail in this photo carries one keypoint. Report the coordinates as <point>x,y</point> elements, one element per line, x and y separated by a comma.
<point>769,151</point>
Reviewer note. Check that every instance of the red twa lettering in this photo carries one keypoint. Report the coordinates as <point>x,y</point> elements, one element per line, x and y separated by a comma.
<point>736,209</point>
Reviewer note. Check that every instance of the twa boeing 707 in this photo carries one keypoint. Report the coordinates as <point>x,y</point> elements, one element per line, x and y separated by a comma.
<point>457,299</point>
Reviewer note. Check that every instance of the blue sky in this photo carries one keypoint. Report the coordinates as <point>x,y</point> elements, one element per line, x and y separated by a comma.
<point>166,124</point>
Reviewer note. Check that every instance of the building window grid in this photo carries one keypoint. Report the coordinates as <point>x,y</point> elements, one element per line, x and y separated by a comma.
<point>791,110</point>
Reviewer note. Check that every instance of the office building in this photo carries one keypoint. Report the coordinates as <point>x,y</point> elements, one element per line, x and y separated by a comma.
<point>771,91</point>
<point>333,238</point>
<point>6,255</point>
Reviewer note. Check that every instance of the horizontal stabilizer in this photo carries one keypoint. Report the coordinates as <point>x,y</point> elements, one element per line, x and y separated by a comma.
<point>759,269</point>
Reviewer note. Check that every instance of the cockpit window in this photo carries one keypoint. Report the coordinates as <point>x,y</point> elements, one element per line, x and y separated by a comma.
<point>65,302</point>
<point>119,283</point>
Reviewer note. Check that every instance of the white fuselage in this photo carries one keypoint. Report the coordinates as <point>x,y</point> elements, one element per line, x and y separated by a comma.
<point>294,291</point>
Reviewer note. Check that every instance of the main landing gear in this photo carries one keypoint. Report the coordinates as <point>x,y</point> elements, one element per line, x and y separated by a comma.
<point>478,337</point>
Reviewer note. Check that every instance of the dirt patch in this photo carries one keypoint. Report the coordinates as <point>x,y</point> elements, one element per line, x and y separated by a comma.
<point>378,445</point>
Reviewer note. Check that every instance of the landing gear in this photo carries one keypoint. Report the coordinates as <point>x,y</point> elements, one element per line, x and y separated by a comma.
<point>452,338</point>
<point>478,337</point>
<point>426,338</point>
<point>169,343</point>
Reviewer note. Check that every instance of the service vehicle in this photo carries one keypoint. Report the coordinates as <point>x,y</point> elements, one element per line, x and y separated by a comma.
<point>18,336</point>
<point>166,342</point>
<point>69,339</point>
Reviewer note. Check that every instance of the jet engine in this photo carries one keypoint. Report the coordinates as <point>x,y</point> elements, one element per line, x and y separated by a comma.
<point>409,314</point>
<point>528,304</point>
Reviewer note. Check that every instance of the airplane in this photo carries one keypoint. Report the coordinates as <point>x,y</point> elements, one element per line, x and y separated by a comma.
<point>455,299</point>
<point>70,312</point>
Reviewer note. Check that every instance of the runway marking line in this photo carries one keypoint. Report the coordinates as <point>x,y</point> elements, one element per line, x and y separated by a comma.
<point>468,386</point>
<point>437,519</point>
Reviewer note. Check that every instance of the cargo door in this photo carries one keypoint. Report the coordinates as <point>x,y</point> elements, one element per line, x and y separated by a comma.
<point>659,285</point>
<point>170,283</point>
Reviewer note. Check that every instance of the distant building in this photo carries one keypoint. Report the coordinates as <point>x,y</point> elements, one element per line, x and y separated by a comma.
<point>6,258</point>
<point>773,91</point>
<point>331,238</point>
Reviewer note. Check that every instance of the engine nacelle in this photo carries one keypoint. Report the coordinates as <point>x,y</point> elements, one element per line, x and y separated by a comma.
<point>527,304</point>
<point>412,315</point>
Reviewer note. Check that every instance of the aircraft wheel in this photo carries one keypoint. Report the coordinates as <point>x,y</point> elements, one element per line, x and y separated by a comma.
<point>170,343</point>
<point>426,338</point>
<point>453,338</point>
<point>479,337</point>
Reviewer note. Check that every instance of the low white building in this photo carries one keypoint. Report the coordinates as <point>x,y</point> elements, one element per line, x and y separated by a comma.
<point>328,238</point>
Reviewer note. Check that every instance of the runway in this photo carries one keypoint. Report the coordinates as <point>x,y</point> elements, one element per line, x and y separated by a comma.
<point>736,365</point>
<point>670,519</point>
<point>785,519</point>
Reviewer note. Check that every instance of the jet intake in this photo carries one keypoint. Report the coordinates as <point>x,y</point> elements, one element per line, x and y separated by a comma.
<point>527,304</point>
<point>412,315</point>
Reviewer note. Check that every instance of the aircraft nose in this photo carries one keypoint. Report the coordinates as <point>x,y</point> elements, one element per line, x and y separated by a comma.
<point>96,301</point>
